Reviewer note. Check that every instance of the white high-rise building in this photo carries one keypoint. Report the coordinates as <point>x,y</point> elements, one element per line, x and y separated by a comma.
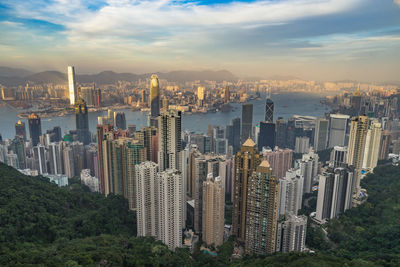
<point>292,233</point>
<point>170,203</point>
<point>335,192</point>
<point>290,192</point>
<point>72,86</point>
<point>302,144</point>
<point>338,157</point>
<point>89,181</point>
<point>308,169</point>
<point>213,211</point>
<point>56,158</point>
<point>147,199</point>
<point>372,144</point>
<point>39,155</point>
<point>169,139</point>
<point>337,129</point>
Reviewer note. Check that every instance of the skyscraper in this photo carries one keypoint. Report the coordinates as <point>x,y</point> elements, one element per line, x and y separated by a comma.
<point>200,95</point>
<point>337,129</point>
<point>236,134</point>
<point>292,234</point>
<point>169,139</point>
<point>18,146</point>
<point>261,211</point>
<point>281,132</point>
<point>119,120</point>
<point>39,155</point>
<point>308,165</point>
<point>20,129</point>
<point>170,204</point>
<point>321,134</point>
<point>247,121</point>
<point>372,142</point>
<point>290,192</point>
<point>302,144</point>
<point>227,95</point>
<point>338,157</point>
<point>334,193</point>
<point>82,122</point>
<point>73,94</point>
<point>56,158</point>
<point>266,136</point>
<point>269,110</point>
<point>280,160</point>
<point>147,199</point>
<point>101,130</point>
<point>87,94</point>
<point>213,211</point>
<point>35,128</point>
<point>246,162</point>
<point>154,99</point>
<point>356,148</point>
<point>97,97</point>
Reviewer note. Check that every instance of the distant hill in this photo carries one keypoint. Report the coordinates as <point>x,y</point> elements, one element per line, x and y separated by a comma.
<point>110,77</point>
<point>14,72</point>
<point>284,78</point>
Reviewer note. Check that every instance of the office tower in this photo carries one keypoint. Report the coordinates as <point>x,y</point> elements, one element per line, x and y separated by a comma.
<point>281,128</point>
<point>356,101</point>
<point>213,211</point>
<point>308,165</point>
<point>372,143</point>
<point>89,181</point>
<point>290,192</point>
<point>227,95</point>
<point>291,134</point>
<point>147,202</point>
<point>169,139</point>
<point>221,146</point>
<point>280,160</point>
<point>119,120</point>
<point>302,144</point>
<point>20,129</point>
<point>338,157</point>
<point>18,147</point>
<point>82,122</point>
<point>236,134</point>
<point>384,146</point>
<point>68,157</point>
<point>321,134</point>
<point>73,92</point>
<point>200,95</point>
<point>269,110</point>
<point>334,193</point>
<point>246,162</point>
<point>120,158</point>
<point>35,128</point>
<point>131,129</point>
<point>292,233</point>
<point>87,94</point>
<point>356,148</point>
<point>247,121</point>
<point>39,155</point>
<point>170,212</point>
<point>101,130</point>
<point>56,158</point>
<point>337,129</point>
<point>262,211</point>
<point>266,136</point>
<point>55,134</point>
<point>154,98</point>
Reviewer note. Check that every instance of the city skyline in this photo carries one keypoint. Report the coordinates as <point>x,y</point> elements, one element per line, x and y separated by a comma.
<point>317,40</point>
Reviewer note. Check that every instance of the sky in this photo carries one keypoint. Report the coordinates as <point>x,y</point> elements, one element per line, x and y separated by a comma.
<point>310,39</point>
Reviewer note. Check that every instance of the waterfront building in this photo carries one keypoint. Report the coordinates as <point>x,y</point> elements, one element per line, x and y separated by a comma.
<point>321,134</point>
<point>82,122</point>
<point>269,110</point>
<point>337,129</point>
<point>261,211</point>
<point>20,129</point>
<point>246,162</point>
<point>281,129</point>
<point>119,120</point>
<point>35,128</point>
<point>154,101</point>
<point>72,85</point>
<point>247,121</point>
<point>266,137</point>
<point>213,211</point>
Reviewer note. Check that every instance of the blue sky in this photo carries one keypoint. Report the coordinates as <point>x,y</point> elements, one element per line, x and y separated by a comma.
<point>312,39</point>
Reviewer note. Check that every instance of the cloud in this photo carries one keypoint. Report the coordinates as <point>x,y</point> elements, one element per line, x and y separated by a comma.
<point>397,2</point>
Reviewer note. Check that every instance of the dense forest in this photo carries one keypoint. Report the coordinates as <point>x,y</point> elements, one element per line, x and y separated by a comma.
<point>46,225</point>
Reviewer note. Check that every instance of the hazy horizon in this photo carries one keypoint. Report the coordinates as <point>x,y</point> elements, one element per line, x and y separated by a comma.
<point>310,39</point>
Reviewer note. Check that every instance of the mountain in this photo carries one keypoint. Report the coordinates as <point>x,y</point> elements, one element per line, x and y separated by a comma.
<point>14,72</point>
<point>110,77</point>
<point>283,78</point>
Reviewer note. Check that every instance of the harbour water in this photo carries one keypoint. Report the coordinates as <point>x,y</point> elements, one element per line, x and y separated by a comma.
<point>286,105</point>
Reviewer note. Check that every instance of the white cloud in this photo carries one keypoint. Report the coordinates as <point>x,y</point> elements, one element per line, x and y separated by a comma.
<point>397,2</point>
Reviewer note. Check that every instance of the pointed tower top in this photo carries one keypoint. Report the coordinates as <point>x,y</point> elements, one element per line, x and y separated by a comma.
<point>249,143</point>
<point>265,164</point>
